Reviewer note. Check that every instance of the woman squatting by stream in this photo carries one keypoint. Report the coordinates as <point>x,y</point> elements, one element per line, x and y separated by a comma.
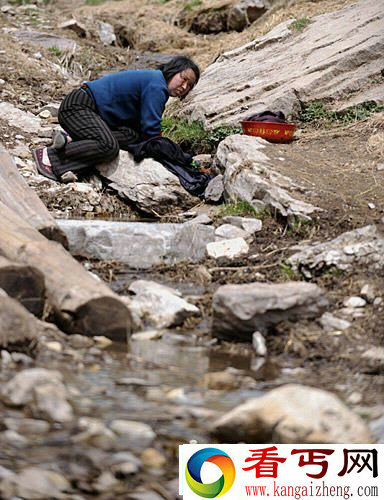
<point>106,115</point>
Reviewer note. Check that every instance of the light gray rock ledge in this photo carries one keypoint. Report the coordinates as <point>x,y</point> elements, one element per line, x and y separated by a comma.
<point>138,244</point>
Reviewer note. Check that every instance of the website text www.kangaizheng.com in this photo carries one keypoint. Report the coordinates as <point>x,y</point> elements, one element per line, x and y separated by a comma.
<point>312,491</point>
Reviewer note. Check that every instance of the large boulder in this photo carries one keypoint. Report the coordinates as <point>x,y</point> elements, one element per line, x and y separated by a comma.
<point>274,418</point>
<point>249,175</point>
<point>147,184</point>
<point>338,56</point>
<point>239,310</point>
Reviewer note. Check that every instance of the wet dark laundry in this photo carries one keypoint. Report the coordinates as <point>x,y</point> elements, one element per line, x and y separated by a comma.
<point>268,116</point>
<point>174,159</point>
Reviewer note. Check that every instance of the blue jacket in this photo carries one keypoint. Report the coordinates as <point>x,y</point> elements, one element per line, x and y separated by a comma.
<point>133,98</point>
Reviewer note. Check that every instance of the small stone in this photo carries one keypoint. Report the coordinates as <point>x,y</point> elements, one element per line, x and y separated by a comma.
<point>101,341</point>
<point>125,457</point>
<point>45,131</point>
<point>377,301</point>
<point>371,206</point>
<point>75,26</point>
<point>95,433</point>
<point>132,434</point>
<point>230,249</point>
<point>380,167</point>
<point>35,483</point>
<point>200,219</point>
<point>51,402</point>
<point>249,224</point>
<point>52,108</point>
<point>19,390</point>
<point>106,33</point>
<point>138,382</point>
<point>374,358</point>
<point>259,345</point>
<point>355,398</point>
<point>45,114</point>
<point>6,357</point>
<point>229,231</point>
<point>14,438</point>
<point>351,312</point>
<point>368,293</point>
<point>54,346</point>
<point>148,335</point>
<point>8,9</point>
<point>22,359</point>
<point>27,425</point>
<point>105,482</point>
<point>354,302</point>
<point>215,189</point>
<point>330,322</point>
<point>220,381</point>
<point>68,177</point>
<point>80,341</point>
<point>153,458</point>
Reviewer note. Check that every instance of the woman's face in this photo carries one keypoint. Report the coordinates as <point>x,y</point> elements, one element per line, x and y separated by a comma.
<point>181,83</point>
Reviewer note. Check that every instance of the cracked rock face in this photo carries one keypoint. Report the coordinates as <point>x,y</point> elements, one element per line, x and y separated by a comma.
<point>363,247</point>
<point>249,176</point>
<point>139,244</point>
<point>340,58</point>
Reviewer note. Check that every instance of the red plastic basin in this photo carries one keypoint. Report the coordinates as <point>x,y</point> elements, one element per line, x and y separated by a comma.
<point>273,132</point>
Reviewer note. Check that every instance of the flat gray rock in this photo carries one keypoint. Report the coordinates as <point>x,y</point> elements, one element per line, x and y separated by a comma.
<point>16,117</point>
<point>363,247</point>
<point>45,40</point>
<point>338,56</point>
<point>138,244</point>
<point>239,310</point>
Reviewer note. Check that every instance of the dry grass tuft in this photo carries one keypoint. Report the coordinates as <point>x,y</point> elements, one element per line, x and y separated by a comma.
<point>376,145</point>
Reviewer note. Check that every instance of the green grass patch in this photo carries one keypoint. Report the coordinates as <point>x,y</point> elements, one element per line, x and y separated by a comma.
<point>288,273</point>
<point>55,51</point>
<point>193,135</point>
<point>317,114</point>
<point>299,226</point>
<point>300,24</point>
<point>94,2</point>
<point>240,208</point>
<point>333,272</point>
<point>191,4</point>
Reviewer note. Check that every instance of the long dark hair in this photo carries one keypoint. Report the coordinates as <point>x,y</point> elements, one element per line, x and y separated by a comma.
<point>177,64</point>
